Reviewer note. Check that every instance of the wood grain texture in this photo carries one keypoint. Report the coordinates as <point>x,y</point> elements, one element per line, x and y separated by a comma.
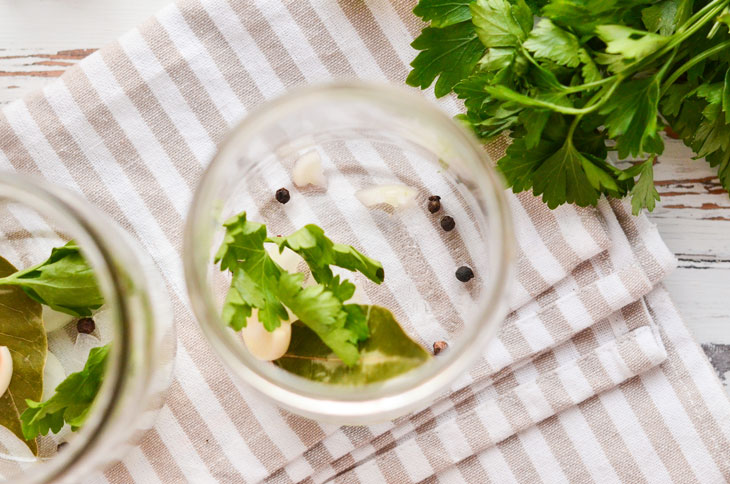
<point>39,39</point>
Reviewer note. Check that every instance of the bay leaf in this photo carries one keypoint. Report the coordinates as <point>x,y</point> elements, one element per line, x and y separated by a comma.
<point>388,352</point>
<point>22,331</point>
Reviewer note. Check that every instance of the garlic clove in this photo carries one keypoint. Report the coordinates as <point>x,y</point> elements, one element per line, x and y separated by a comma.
<point>6,369</point>
<point>360,296</point>
<point>53,374</point>
<point>54,320</point>
<point>266,345</point>
<point>394,195</point>
<point>308,170</point>
<point>288,259</point>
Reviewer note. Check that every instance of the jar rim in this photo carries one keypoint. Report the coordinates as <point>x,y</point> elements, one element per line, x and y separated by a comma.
<point>407,392</point>
<point>85,222</point>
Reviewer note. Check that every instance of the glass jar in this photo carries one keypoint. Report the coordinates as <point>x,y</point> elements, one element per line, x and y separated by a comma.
<point>35,217</point>
<point>363,136</point>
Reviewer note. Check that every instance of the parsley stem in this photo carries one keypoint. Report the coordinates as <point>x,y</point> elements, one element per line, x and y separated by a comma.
<point>699,14</point>
<point>682,34</point>
<point>695,60</point>
<point>687,30</point>
<point>588,85</point>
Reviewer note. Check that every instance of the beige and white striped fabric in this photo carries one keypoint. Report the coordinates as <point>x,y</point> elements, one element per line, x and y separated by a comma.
<point>593,376</point>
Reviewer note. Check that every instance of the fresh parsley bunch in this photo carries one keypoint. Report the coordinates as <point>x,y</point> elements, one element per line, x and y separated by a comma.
<point>571,80</point>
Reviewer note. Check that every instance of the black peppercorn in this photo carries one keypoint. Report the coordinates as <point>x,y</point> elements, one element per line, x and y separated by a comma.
<point>282,195</point>
<point>447,223</point>
<point>85,325</point>
<point>439,346</point>
<point>464,273</point>
<point>434,203</point>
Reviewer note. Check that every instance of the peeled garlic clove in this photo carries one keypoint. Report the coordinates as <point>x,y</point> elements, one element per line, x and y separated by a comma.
<point>54,320</point>
<point>307,170</point>
<point>266,345</point>
<point>359,297</point>
<point>394,195</point>
<point>6,369</point>
<point>53,374</point>
<point>288,259</point>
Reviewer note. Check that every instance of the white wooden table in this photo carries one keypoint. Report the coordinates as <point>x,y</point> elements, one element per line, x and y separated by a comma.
<point>39,39</point>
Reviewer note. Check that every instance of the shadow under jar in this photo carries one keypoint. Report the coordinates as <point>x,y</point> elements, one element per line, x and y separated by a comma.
<point>363,145</point>
<point>134,321</point>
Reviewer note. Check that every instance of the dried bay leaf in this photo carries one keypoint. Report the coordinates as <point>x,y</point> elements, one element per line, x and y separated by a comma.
<point>22,331</point>
<point>388,352</point>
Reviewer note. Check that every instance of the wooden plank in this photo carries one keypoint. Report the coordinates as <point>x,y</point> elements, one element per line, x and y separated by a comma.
<point>23,70</point>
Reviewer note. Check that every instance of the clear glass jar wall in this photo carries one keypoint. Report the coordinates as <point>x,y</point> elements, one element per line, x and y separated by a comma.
<point>365,136</point>
<point>34,218</point>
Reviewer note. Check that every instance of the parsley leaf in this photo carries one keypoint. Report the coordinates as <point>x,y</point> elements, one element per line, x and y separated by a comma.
<point>71,401</point>
<point>323,313</point>
<point>629,43</point>
<point>548,41</point>
<point>726,96</point>
<point>561,178</point>
<point>442,13</point>
<point>721,159</point>
<point>65,282</point>
<point>255,275</point>
<point>584,15</point>
<point>665,16</point>
<point>632,117</point>
<point>320,253</point>
<point>500,23</point>
<point>644,193</point>
<point>449,53</point>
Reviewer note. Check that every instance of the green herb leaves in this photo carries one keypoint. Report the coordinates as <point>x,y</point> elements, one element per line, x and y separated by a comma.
<point>71,401</point>
<point>442,13</point>
<point>629,43</point>
<point>548,41</point>
<point>22,331</point>
<point>500,23</point>
<point>631,117</point>
<point>259,282</point>
<point>449,53</point>
<point>589,77</point>
<point>255,275</point>
<point>65,282</point>
<point>388,352</point>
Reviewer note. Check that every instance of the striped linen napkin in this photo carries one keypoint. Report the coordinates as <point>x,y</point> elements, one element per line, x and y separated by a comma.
<point>584,381</point>
<point>608,353</point>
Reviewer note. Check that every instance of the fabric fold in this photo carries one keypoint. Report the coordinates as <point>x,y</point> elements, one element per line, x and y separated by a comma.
<point>670,424</point>
<point>485,419</point>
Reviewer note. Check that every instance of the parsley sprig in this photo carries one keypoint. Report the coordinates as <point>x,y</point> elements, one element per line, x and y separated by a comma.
<point>259,282</point>
<point>65,282</point>
<point>571,80</point>
<point>71,401</point>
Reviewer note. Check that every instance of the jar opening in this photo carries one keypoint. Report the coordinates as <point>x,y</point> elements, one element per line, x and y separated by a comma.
<point>366,136</point>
